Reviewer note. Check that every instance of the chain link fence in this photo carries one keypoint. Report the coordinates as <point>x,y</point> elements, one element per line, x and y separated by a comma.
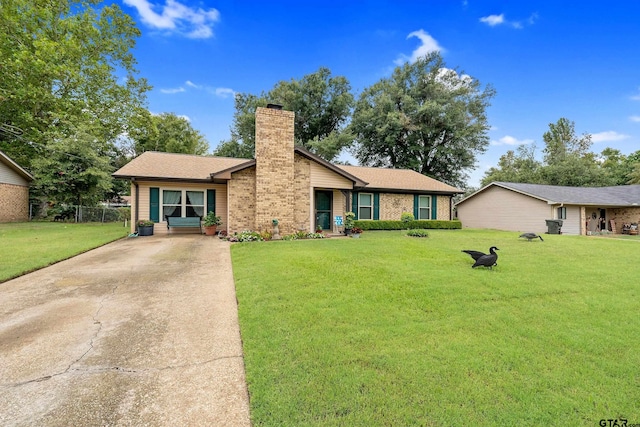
<point>69,213</point>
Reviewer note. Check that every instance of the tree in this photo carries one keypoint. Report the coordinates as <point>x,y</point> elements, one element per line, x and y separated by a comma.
<point>424,117</point>
<point>74,169</point>
<point>567,161</point>
<point>515,167</point>
<point>322,105</point>
<point>561,142</point>
<point>169,133</point>
<point>65,62</point>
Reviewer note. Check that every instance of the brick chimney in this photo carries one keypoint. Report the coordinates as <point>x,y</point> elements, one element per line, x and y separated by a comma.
<point>275,168</point>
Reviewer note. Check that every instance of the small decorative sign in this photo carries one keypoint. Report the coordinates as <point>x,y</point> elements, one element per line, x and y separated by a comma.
<point>338,221</point>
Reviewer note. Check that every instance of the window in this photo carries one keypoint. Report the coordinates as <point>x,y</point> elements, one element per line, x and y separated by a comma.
<point>424,207</point>
<point>562,213</point>
<point>365,206</point>
<point>184,203</point>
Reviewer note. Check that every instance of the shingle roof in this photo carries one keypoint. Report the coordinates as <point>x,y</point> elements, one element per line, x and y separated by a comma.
<point>621,195</point>
<point>15,167</point>
<point>398,179</point>
<point>156,165</point>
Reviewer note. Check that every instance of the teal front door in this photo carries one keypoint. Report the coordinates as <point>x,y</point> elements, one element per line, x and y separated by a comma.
<point>323,209</point>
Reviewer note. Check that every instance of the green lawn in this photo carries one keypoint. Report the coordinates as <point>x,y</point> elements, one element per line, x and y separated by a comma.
<point>27,246</point>
<point>389,330</point>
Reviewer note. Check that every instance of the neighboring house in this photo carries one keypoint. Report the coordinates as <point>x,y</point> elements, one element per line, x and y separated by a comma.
<point>526,207</point>
<point>14,191</point>
<point>283,182</point>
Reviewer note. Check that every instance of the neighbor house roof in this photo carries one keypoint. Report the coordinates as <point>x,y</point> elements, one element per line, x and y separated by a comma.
<point>15,167</point>
<point>154,165</point>
<point>398,179</point>
<point>621,195</point>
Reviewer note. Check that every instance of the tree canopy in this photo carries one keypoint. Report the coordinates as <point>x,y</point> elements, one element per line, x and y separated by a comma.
<point>68,78</point>
<point>425,117</point>
<point>169,133</point>
<point>567,160</point>
<point>322,104</point>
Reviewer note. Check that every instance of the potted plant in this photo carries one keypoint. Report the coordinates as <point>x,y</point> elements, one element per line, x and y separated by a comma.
<point>356,232</point>
<point>145,227</point>
<point>211,222</point>
<point>349,222</point>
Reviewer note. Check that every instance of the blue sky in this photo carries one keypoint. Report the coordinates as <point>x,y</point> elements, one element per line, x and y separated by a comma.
<point>546,59</point>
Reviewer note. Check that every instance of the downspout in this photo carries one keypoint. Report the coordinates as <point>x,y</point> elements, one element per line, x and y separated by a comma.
<point>133,181</point>
<point>450,208</point>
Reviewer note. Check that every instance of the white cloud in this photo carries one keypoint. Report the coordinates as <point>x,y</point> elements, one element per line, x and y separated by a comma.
<point>176,17</point>
<point>428,44</point>
<point>635,97</point>
<point>510,140</point>
<point>493,20</point>
<point>635,119</point>
<point>172,91</point>
<point>224,92</point>
<point>220,92</point>
<point>608,136</point>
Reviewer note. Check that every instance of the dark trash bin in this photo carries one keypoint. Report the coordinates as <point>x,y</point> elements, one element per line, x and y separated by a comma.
<point>554,226</point>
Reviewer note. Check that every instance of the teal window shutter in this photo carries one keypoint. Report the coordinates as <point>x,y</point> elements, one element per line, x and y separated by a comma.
<point>376,205</point>
<point>154,204</point>
<point>434,207</point>
<point>211,201</point>
<point>354,204</point>
<point>416,204</point>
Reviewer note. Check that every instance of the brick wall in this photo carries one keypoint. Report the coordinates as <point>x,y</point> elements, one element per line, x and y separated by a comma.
<point>392,205</point>
<point>275,170</point>
<point>14,203</point>
<point>622,215</point>
<point>443,208</point>
<point>242,201</point>
<point>302,193</point>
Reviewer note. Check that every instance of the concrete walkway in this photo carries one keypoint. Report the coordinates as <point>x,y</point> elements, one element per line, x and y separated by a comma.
<point>143,331</point>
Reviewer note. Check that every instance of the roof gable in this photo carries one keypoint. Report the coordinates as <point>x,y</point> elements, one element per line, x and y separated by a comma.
<point>6,160</point>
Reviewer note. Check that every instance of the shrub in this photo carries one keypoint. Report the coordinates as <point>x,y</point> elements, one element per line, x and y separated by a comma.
<point>399,225</point>
<point>349,220</point>
<point>299,235</point>
<point>418,232</point>
<point>407,217</point>
<point>245,236</point>
<point>266,235</point>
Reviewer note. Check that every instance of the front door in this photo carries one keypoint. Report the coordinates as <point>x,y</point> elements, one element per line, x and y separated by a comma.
<point>323,209</point>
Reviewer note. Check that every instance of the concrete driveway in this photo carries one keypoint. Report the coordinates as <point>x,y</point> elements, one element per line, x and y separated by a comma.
<point>143,331</point>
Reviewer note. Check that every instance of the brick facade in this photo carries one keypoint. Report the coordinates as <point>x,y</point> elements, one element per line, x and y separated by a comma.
<point>393,205</point>
<point>14,203</point>
<point>302,193</point>
<point>275,170</point>
<point>443,208</point>
<point>242,201</point>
